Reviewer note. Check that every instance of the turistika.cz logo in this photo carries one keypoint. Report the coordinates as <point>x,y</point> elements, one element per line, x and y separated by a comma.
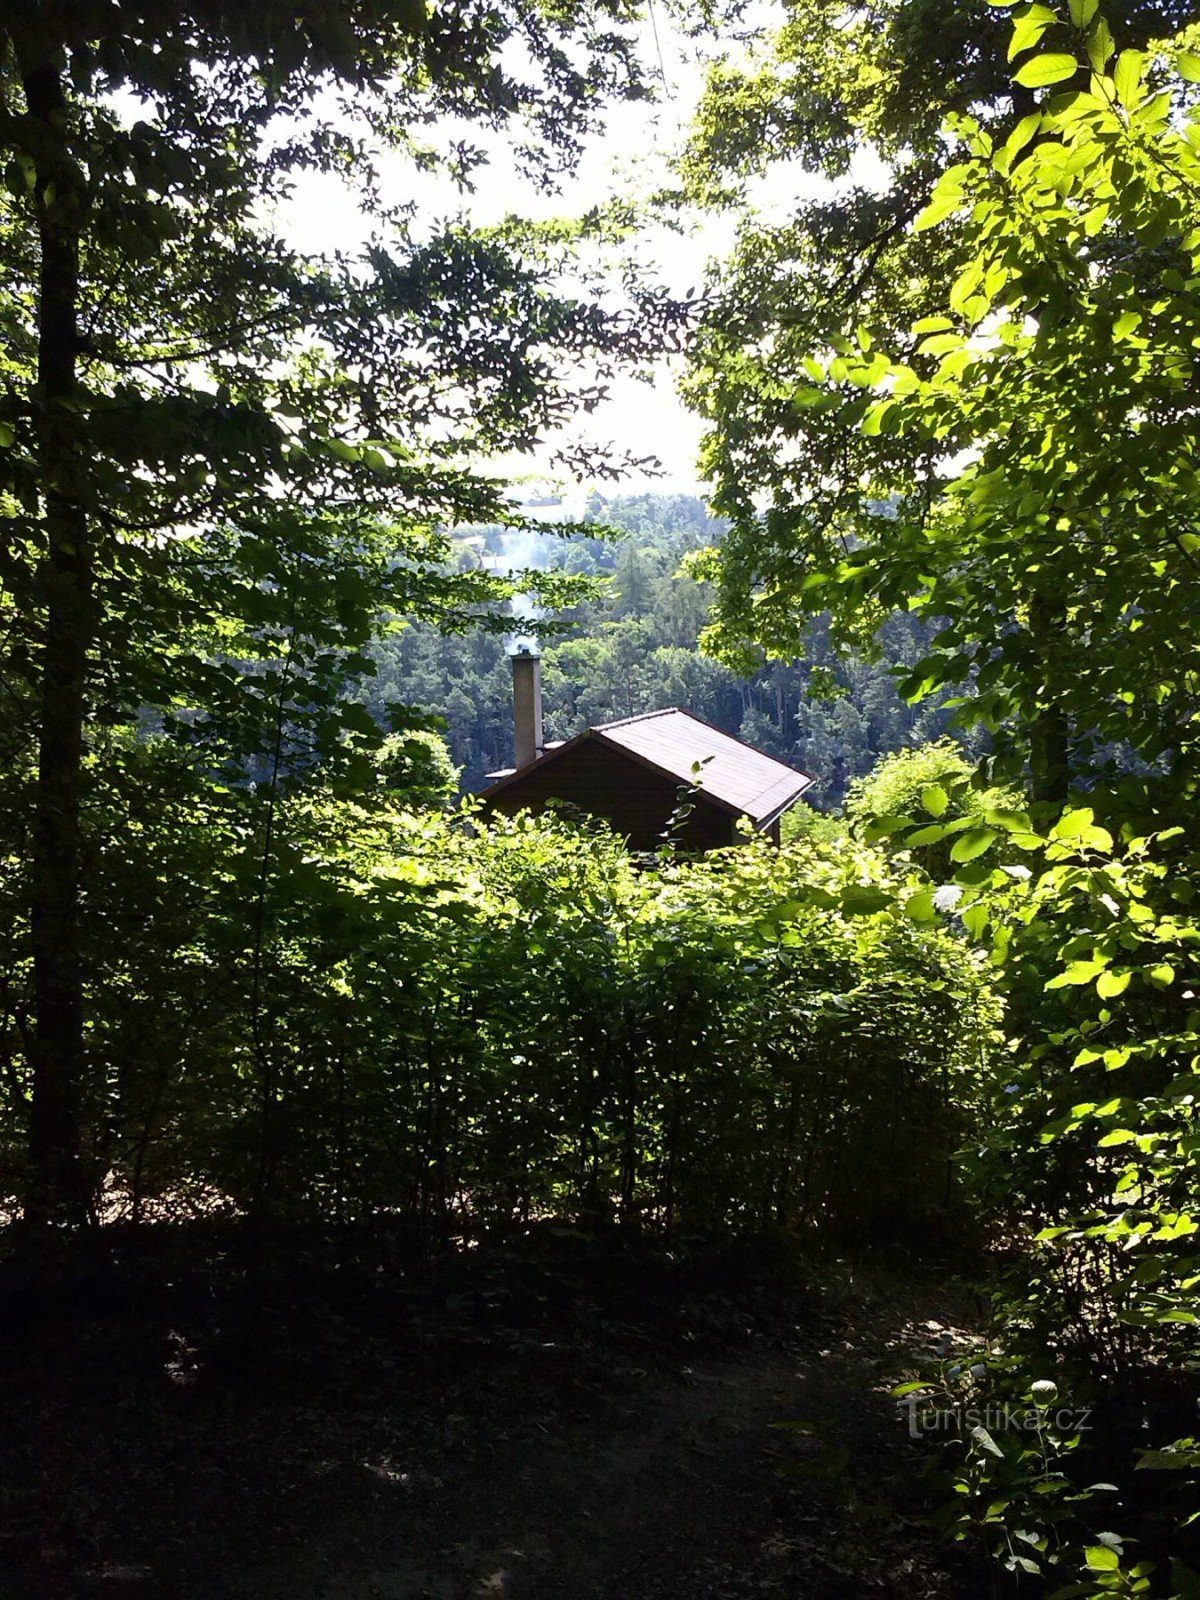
<point>925,1418</point>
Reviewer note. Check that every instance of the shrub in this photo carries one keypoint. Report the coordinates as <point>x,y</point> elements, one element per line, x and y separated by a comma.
<point>469,1027</point>
<point>934,779</point>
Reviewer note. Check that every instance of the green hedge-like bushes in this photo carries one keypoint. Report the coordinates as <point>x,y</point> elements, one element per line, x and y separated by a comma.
<point>467,1028</point>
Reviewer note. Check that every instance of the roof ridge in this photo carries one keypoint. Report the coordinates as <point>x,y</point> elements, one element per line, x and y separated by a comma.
<point>642,716</point>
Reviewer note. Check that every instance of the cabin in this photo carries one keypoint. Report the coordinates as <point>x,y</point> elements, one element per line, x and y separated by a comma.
<point>637,772</point>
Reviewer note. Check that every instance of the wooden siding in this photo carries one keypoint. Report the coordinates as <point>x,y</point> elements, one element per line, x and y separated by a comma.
<point>605,782</point>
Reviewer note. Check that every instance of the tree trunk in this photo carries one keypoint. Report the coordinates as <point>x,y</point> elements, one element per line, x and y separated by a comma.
<point>56,1190</point>
<point>1050,767</point>
<point>1050,732</point>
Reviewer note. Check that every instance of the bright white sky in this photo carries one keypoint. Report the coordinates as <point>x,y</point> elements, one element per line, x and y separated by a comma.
<point>631,155</point>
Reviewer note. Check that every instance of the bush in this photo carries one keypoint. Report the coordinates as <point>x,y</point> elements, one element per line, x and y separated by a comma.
<point>932,778</point>
<point>468,1028</point>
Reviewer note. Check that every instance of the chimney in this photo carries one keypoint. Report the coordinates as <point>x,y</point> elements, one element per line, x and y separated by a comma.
<point>527,701</point>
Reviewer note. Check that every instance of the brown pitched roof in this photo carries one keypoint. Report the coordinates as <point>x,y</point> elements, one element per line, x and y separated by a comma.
<point>737,777</point>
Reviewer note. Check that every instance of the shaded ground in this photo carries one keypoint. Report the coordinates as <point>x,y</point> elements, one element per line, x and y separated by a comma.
<point>592,1434</point>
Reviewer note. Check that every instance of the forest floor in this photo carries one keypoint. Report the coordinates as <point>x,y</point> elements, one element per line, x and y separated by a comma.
<point>546,1432</point>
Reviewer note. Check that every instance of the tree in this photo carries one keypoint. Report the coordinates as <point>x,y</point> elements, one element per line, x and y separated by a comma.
<point>931,780</point>
<point>816,309</point>
<point>1054,535</point>
<point>599,663</point>
<point>218,458</point>
<point>415,767</point>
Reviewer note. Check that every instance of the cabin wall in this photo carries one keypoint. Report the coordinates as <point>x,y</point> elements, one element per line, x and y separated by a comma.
<point>606,783</point>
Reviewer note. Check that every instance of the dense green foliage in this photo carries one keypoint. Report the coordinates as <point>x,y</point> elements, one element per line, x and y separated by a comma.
<point>222,458</point>
<point>254,963</point>
<point>1032,437</point>
<point>824,315</point>
<point>467,1029</point>
<point>931,780</point>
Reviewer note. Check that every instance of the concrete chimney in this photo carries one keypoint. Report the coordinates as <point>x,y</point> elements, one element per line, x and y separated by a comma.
<point>527,701</point>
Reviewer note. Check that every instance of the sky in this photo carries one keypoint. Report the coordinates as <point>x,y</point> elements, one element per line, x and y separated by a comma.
<point>631,155</point>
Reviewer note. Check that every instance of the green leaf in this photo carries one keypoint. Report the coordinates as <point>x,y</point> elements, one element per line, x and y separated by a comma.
<point>1082,11</point>
<point>1028,31</point>
<point>881,418</point>
<point>884,827</point>
<point>1101,1559</point>
<point>1110,984</point>
<point>1078,973</point>
<point>947,197</point>
<point>1100,45</point>
<point>1127,77</point>
<point>865,899</point>
<point>919,907</point>
<point>343,450</point>
<point>1079,826</point>
<point>940,344</point>
<point>934,799</point>
<point>933,833</point>
<point>985,1441</point>
<point>933,325</point>
<point>1072,823</point>
<point>972,844</point>
<point>1044,70</point>
<point>937,211</point>
<point>1021,135</point>
<point>1189,67</point>
<point>1168,1460</point>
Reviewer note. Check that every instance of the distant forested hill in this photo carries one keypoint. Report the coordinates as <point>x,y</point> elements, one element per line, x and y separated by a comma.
<point>636,649</point>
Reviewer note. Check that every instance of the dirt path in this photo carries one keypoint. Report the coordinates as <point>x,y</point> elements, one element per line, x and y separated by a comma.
<point>771,1465</point>
<point>726,1481</point>
<point>777,1472</point>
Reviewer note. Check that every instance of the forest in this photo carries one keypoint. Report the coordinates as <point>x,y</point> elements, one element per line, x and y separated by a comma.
<point>402,1198</point>
<point>634,646</point>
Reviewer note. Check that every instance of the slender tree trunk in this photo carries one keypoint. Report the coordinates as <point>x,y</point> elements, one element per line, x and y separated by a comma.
<point>262,1045</point>
<point>1049,757</point>
<point>56,1188</point>
<point>1050,733</point>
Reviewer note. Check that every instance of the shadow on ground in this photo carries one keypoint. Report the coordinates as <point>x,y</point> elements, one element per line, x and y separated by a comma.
<point>571,1431</point>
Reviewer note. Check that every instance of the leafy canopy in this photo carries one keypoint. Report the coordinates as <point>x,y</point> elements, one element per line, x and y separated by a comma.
<point>843,408</point>
<point>266,444</point>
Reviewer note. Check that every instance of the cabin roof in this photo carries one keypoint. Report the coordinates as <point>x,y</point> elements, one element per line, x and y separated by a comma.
<point>734,775</point>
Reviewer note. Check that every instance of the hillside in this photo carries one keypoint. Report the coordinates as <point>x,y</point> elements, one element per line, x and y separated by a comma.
<point>636,648</point>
